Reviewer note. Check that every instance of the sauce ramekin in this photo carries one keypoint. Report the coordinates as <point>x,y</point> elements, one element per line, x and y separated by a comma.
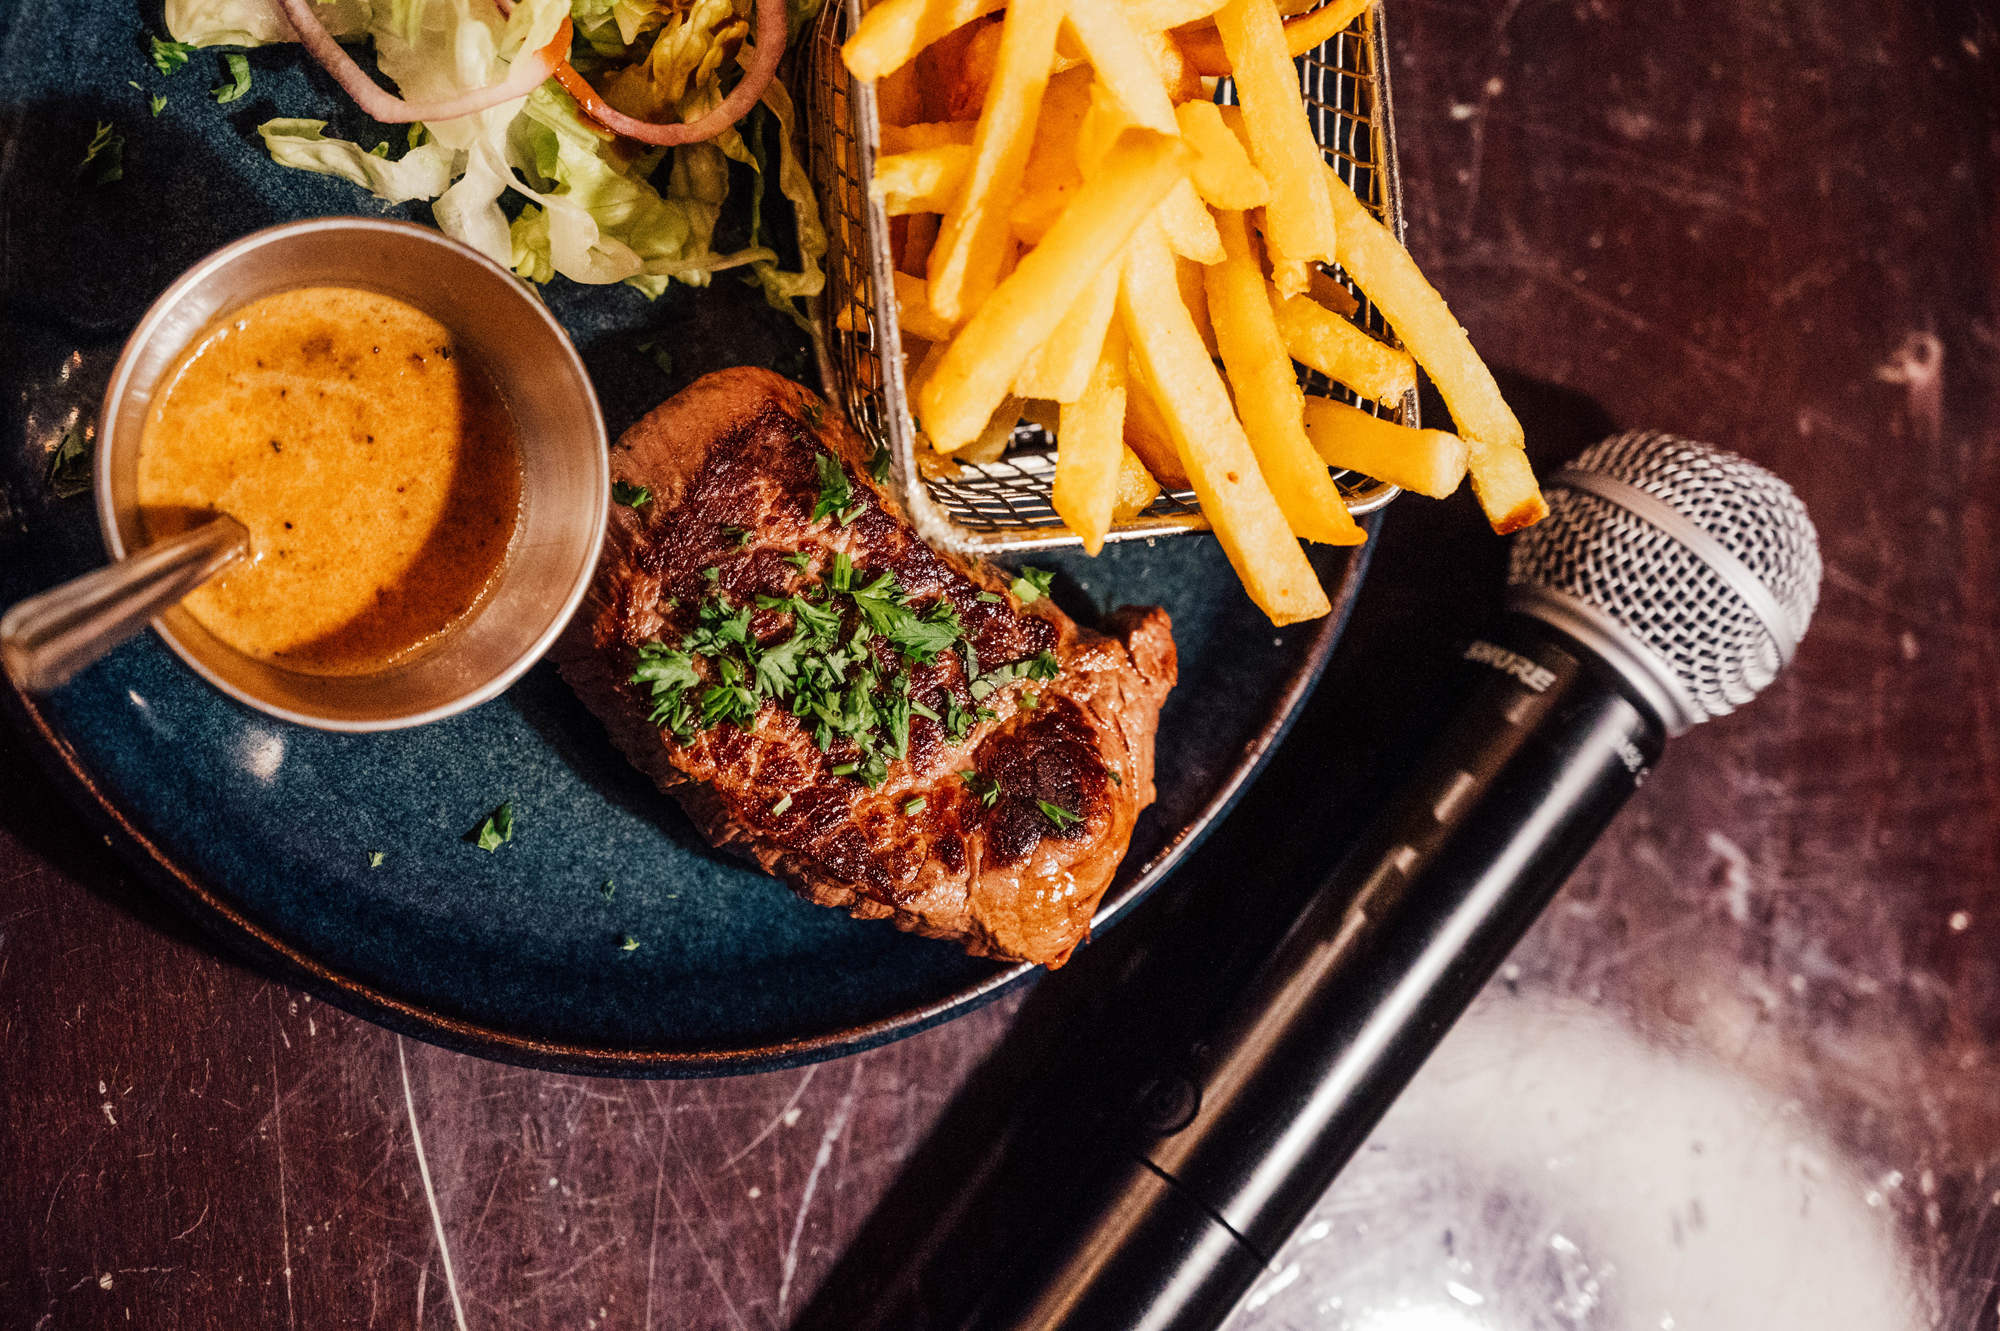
<point>565,481</point>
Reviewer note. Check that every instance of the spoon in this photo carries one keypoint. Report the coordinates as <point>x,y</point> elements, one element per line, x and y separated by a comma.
<point>48,638</point>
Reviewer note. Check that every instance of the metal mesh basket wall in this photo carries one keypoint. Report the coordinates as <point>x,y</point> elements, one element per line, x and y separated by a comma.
<point>1005,504</point>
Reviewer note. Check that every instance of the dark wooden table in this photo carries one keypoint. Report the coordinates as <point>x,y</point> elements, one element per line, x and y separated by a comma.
<point>1745,1073</point>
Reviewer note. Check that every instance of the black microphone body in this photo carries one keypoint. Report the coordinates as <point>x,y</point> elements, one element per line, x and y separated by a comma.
<point>1229,1146</point>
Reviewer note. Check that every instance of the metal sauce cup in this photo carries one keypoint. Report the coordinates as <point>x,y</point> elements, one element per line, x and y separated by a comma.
<point>565,482</point>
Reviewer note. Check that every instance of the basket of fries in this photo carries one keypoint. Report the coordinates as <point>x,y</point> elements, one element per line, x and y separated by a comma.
<point>1054,226</point>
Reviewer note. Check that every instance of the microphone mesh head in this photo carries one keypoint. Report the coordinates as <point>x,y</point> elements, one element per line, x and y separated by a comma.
<point>1713,631</point>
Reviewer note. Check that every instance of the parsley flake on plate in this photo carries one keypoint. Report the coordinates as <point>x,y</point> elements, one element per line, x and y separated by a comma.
<point>375,859</point>
<point>239,75</point>
<point>630,495</point>
<point>69,465</point>
<point>627,943</point>
<point>170,56</point>
<point>1032,585</point>
<point>497,829</point>
<point>104,159</point>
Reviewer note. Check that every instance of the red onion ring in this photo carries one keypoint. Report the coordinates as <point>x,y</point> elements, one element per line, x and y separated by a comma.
<point>526,74</point>
<point>771,18</point>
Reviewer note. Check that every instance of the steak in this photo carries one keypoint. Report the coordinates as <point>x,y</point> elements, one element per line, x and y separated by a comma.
<point>889,729</point>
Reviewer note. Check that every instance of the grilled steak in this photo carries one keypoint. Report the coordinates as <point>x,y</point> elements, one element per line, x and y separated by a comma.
<point>886,728</point>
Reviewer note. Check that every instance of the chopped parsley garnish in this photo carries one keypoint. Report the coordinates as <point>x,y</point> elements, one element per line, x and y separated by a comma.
<point>991,598</point>
<point>497,829</point>
<point>1061,817</point>
<point>627,943</point>
<point>740,535</point>
<point>844,670</point>
<point>914,807</point>
<point>610,888</point>
<point>985,787</point>
<point>374,859</point>
<point>170,56</point>
<point>1042,665</point>
<point>880,466</point>
<point>1031,700</point>
<point>1032,585</point>
<point>782,805</point>
<point>659,355</point>
<point>836,493</point>
<point>239,75</point>
<point>104,159</point>
<point>158,104</point>
<point>69,467</point>
<point>798,559</point>
<point>630,495</point>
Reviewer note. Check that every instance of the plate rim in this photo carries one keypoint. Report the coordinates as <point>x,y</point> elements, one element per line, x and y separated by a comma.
<point>264,949</point>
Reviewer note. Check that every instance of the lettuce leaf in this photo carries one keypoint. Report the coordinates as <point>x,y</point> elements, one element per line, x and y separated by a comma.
<point>592,212</point>
<point>421,173</point>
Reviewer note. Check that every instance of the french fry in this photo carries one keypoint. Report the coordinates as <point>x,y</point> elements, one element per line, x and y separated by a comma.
<point>1428,462</point>
<point>1122,63</point>
<point>1382,268</point>
<point>935,134</point>
<point>1052,177</point>
<point>1001,332</point>
<point>1188,227</point>
<point>924,180</point>
<point>1505,485</point>
<point>1147,434</point>
<point>966,261</point>
<point>1330,293</point>
<point>1190,277</point>
<point>1268,400</point>
<point>978,62</point>
<point>1223,172</point>
<point>1299,222</point>
<point>1316,336</point>
<point>1061,368</point>
<point>1093,450</point>
<point>1159,15</point>
<point>913,313</point>
<point>899,101</point>
<point>1212,446</point>
<point>891,34</point>
<point>919,234</point>
<point>991,443</point>
<point>940,67</point>
<point>1136,487</point>
<point>1203,47</point>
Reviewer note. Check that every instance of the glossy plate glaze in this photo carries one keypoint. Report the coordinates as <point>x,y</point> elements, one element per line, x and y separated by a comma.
<point>268,833</point>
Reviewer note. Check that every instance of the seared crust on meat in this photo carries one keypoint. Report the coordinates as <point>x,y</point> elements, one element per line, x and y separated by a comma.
<point>732,466</point>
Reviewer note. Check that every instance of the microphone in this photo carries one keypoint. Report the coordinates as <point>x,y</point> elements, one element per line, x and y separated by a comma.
<point>1670,583</point>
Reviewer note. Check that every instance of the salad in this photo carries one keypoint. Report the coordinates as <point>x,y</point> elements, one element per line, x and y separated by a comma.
<point>610,123</point>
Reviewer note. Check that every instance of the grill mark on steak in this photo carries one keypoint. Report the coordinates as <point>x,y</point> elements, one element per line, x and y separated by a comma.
<point>732,465</point>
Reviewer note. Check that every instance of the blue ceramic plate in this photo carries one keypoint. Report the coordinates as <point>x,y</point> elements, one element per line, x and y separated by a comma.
<point>266,833</point>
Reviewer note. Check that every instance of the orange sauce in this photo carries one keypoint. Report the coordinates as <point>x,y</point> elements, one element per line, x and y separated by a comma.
<point>372,459</point>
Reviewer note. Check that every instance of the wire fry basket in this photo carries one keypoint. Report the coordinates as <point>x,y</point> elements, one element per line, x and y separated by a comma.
<point>1004,505</point>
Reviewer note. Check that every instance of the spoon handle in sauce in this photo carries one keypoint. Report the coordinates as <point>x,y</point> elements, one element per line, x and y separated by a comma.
<point>48,638</point>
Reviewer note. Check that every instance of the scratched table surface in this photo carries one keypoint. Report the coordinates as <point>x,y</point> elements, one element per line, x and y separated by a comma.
<point>1745,1073</point>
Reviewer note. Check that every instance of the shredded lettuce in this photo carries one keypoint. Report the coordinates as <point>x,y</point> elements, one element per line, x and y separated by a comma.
<point>590,210</point>
<point>422,173</point>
